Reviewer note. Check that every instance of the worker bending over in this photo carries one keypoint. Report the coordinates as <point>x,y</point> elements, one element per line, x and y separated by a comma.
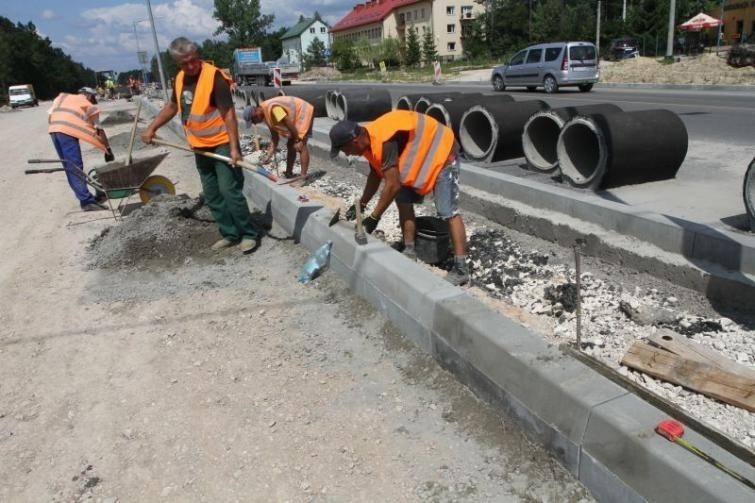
<point>287,116</point>
<point>202,98</point>
<point>415,155</point>
<point>71,118</point>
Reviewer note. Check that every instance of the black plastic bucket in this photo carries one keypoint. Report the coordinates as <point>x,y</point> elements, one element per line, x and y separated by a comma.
<point>432,242</point>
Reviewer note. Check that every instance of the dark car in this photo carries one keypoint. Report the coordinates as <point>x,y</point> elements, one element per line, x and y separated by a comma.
<point>623,48</point>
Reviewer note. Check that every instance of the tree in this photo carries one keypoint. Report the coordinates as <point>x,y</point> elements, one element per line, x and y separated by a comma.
<point>429,53</point>
<point>343,55</point>
<point>272,45</point>
<point>413,50</point>
<point>242,21</point>
<point>315,55</point>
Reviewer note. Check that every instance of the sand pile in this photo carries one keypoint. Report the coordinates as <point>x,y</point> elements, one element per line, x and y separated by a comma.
<point>320,73</point>
<point>164,233</point>
<point>117,117</point>
<point>704,69</point>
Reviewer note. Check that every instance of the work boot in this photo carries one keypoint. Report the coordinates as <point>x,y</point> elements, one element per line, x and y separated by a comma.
<point>249,245</point>
<point>223,243</point>
<point>459,274</point>
<point>93,207</point>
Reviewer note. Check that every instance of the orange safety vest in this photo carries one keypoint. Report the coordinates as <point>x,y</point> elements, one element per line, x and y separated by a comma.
<point>74,115</point>
<point>427,150</point>
<point>301,111</point>
<point>204,125</point>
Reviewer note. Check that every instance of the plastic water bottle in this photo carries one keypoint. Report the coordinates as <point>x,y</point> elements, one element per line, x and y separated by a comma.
<point>316,263</point>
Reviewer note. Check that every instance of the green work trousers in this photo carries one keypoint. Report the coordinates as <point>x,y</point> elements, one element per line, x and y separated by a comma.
<point>222,185</point>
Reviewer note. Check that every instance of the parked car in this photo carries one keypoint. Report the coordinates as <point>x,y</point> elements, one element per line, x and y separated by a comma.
<point>623,48</point>
<point>552,66</point>
<point>22,94</point>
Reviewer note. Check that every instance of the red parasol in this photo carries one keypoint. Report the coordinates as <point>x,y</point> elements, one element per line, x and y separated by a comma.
<point>700,22</point>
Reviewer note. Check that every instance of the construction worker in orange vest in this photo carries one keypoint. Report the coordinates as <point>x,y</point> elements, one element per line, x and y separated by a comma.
<point>75,117</point>
<point>203,100</point>
<point>287,116</point>
<point>414,155</point>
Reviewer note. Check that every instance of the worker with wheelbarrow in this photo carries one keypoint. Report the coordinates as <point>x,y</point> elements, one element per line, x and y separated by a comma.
<point>202,98</point>
<point>75,117</point>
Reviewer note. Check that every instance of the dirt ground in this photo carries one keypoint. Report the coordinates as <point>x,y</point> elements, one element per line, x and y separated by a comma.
<point>136,365</point>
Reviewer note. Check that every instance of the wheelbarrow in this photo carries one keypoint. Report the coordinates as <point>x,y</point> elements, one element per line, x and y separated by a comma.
<point>118,180</point>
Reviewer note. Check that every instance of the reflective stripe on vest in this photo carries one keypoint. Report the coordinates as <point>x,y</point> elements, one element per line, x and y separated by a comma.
<point>426,152</point>
<point>300,110</point>
<point>204,125</point>
<point>69,116</point>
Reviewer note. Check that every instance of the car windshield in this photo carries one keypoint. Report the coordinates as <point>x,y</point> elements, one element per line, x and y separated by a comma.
<point>18,92</point>
<point>582,52</point>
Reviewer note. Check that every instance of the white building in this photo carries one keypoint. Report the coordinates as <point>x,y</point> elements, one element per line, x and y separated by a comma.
<point>297,39</point>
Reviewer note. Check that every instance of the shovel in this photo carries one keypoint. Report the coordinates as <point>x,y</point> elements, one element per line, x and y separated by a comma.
<point>133,132</point>
<point>244,164</point>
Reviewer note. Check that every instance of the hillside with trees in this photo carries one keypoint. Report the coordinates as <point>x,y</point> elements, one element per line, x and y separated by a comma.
<point>27,58</point>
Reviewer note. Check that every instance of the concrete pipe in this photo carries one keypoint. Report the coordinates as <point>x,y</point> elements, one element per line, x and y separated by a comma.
<point>615,149</point>
<point>407,101</point>
<point>450,111</point>
<point>541,131</point>
<point>314,95</point>
<point>748,190</point>
<point>362,104</point>
<point>424,101</point>
<point>493,132</point>
<point>331,110</point>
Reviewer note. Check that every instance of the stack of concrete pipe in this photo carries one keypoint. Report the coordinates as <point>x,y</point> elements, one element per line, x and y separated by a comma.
<point>315,95</point>
<point>493,132</point>
<point>540,135</point>
<point>625,148</point>
<point>330,104</point>
<point>449,112</point>
<point>748,191</point>
<point>422,103</point>
<point>357,104</point>
<point>409,101</point>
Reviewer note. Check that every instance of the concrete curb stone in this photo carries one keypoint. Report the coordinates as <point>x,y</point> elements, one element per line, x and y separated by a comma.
<point>602,434</point>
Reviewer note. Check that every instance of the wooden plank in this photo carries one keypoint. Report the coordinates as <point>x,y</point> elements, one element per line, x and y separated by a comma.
<point>680,345</point>
<point>701,377</point>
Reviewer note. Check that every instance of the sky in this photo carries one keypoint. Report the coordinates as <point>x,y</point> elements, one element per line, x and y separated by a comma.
<point>100,33</point>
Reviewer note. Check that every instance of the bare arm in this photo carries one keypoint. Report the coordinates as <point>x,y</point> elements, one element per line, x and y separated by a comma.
<point>390,189</point>
<point>162,118</point>
<point>232,127</point>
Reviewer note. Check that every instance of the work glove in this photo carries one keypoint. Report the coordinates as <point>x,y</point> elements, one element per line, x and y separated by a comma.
<point>370,223</point>
<point>109,156</point>
<point>351,212</point>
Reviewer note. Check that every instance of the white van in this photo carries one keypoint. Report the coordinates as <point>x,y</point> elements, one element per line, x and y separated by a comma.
<point>22,95</point>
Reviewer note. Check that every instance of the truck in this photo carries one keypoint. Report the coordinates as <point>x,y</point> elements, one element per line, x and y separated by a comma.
<point>248,67</point>
<point>22,94</point>
<point>289,71</point>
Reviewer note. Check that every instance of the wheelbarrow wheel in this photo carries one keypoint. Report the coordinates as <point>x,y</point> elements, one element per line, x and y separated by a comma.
<point>156,185</point>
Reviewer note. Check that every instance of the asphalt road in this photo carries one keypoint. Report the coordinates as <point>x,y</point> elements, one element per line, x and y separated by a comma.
<point>718,116</point>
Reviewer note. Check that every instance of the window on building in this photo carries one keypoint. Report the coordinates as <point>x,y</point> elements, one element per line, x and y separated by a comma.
<point>423,13</point>
<point>323,29</point>
<point>451,46</point>
<point>466,11</point>
<point>450,10</point>
<point>311,30</point>
<point>450,28</point>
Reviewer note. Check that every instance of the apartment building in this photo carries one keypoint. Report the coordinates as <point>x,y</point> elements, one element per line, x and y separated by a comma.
<point>448,20</point>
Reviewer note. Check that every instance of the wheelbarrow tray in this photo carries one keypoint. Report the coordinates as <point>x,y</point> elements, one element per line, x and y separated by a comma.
<point>117,175</point>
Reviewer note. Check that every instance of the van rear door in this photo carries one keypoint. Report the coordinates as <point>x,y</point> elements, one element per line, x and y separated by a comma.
<point>582,60</point>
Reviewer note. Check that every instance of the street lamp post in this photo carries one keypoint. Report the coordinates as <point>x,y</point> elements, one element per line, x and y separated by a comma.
<point>670,38</point>
<point>139,51</point>
<point>157,53</point>
<point>718,37</point>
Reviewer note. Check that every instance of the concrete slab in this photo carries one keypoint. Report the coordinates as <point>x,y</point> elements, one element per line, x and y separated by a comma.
<point>620,438</point>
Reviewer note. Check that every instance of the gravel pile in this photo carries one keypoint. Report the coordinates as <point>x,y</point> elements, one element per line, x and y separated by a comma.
<point>613,318</point>
<point>163,233</point>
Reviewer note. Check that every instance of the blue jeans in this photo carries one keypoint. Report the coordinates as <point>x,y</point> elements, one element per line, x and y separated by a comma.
<point>445,192</point>
<point>69,150</point>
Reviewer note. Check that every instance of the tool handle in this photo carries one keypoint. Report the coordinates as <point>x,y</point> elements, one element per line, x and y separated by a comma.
<point>133,131</point>
<point>244,164</point>
<point>40,161</point>
<point>35,171</point>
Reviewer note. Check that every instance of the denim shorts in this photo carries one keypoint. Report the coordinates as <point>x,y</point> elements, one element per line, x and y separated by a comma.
<point>445,193</point>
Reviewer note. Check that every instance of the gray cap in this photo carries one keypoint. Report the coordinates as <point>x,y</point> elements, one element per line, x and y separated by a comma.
<point>249,110</point>
<point>87,90</point>
<point>341,134</point>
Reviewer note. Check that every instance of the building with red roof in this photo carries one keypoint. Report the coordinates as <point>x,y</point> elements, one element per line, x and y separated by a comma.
<point>376,20</point>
